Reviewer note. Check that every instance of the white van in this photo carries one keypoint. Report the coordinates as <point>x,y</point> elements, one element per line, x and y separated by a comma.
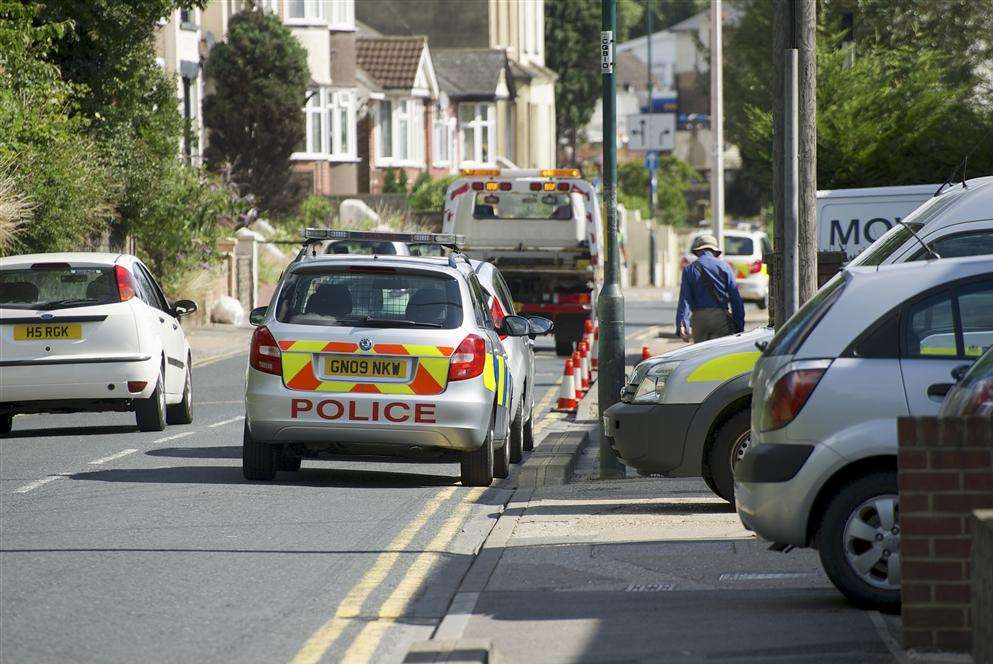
<point>850,220</point>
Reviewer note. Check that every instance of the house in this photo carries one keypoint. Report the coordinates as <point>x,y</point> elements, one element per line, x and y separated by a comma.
<point>400,90</point>
<point>517,128</point>
<point>177,50</point>
<point>327,155</point>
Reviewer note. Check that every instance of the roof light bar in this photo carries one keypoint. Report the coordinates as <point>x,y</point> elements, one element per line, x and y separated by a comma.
<point>560,173</point>
<point>486,172</point>
<point>444,239</point>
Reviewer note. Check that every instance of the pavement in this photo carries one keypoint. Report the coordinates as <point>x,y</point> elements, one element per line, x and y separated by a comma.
<point>123,546</point>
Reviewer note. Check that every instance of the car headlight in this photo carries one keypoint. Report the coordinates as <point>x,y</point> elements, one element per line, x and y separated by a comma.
<point>651,389</point>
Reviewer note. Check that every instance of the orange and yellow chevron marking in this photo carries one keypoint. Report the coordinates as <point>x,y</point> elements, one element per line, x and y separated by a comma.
<point>430,374</point>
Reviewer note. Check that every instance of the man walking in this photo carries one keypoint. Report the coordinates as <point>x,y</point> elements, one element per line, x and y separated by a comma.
<point>708,291</point>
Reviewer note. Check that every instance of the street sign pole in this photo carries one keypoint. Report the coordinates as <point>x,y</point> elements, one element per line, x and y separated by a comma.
<point>717,122</point>
<point>610,303</point>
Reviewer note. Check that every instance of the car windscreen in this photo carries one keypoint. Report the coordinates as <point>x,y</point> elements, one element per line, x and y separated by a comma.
<point>51,286</point>
<point>371,296</point>
<point>795,330</point>
<point>362,247</point>
<point>738,245</point>
<point>535,206</point>
<point>883,248</point>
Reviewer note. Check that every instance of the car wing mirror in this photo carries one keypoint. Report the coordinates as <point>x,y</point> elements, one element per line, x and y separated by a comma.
<point>182,308</point>
<point>257,315</point>
<point>958,373</point>
<point>515,326</point>
<point>539,326</point>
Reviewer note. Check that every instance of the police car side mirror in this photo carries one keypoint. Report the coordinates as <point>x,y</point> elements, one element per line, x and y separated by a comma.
<point>958,373</point>
<point>257,316</point>
<point>515,326</point>
<point>182,308</point>
<point>540,326</point>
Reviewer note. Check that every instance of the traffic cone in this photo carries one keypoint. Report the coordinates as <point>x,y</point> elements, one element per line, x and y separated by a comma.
<point>567,393</point>
<point>584,365</point>
<point>645,354</point>
<point>577,364</point>
<point>594,363</point>
<point>587,326</point>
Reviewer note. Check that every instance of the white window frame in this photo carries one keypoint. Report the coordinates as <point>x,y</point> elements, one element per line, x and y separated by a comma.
<point>442,135</point>
<point>409,111</point>
<point>341,14</point>
<point>327,111</point>
<point>313,13</point>
<point>483,123</point>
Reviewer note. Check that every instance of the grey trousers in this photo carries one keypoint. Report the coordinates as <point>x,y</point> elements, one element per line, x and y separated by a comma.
<point>710,323</point>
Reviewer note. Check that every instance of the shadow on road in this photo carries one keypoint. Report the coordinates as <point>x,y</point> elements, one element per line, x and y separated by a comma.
<point>222,452</point>
<point>104,430</point>
<point>316,477</point>
<point>689,507</point>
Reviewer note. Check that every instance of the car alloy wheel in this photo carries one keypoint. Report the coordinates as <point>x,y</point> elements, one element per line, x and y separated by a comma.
<point>872,541</point>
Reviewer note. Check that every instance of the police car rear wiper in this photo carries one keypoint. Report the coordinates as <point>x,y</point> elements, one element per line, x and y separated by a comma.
<point>396,322</point>
<point>931,252</point>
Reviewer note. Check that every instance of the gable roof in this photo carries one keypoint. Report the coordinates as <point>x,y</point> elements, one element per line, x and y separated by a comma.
<point>392,62</point>
<point>472,73</point>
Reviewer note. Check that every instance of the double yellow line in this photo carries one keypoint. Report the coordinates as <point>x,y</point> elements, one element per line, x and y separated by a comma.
<point>363,647</point>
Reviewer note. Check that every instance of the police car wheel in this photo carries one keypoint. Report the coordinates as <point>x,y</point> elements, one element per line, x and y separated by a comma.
<point>258,460</point>
<point>724,453</point>
<point>150,413</point>
<point>6,422</point>
<point>182,412</point>
<point>529,434</point>
<point>501,460</point>
<point>516,441</point>
<point>709,481</point>
<point>477,466</point>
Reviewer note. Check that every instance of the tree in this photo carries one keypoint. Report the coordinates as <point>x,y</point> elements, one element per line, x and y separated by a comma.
<point>674,178</point>
<point>667,13</point>
<point>254,117</point>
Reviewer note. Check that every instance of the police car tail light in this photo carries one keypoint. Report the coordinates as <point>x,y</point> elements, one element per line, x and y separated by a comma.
<point>265,355</point>
<point>755,267</point>
<point>788,396</point>
<point>468,359</point>
<point>125,283</point>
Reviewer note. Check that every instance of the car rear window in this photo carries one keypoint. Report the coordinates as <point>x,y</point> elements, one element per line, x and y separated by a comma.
<point>737,245</point>
<point>371,296</point>
<point>536,206</point>
<point>51,286</point>
<point>794,331</point>
<point>362,247</point>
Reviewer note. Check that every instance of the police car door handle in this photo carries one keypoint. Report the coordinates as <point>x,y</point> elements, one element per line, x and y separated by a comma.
<point>938,390</point>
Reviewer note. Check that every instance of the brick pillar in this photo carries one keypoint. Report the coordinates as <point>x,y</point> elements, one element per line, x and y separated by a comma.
<point>945,472</point>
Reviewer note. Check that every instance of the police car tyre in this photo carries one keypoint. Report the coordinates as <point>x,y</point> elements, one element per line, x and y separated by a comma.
<point>836,546</point>
<point>182,412</point>
<point>288,462</point>
<point>709,481</point>
<point>763,303</point>
<point>150,413</point>
<point>477,466</point>
<point>516,440</point>
<point>719,459</point>
<point>501,460</point>
<point>529,432</point>
<point>6,422</point>
<point>258,460</point>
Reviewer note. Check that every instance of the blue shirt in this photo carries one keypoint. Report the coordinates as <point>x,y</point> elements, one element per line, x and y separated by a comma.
<point>695,294</point>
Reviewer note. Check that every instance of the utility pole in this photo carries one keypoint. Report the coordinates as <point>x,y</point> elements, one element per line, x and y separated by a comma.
<point>610,303</point>
<point>791,186</point>
<point>717,122</point>
<point>794,27</point>
<point>651,176</point>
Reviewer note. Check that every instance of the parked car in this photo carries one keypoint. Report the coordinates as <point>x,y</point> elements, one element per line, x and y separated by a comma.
<point>520,355</point>
<point>381,356</point>
<point>91,332</point>
<point>972,393</point>
<point>698,423</point>
<point>874,344</point>
<point>747,252</point>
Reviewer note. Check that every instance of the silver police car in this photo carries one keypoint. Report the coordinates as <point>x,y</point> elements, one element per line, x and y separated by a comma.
<point>379,355</point>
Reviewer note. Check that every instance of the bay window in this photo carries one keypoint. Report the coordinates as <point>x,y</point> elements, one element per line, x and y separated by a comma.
<point>400,128</point>
<point>441,138</point>
<point>477,127</point>
<point>304,11</point>
<point>341,14</point>
<point>330,125</point>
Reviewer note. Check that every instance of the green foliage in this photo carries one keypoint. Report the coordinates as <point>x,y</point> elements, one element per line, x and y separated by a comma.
<point>666,13</point>
<point>316,212</point>
<point>674,177</point>
<point>261,76</point>
<point>423,178</point>
<point>897,115</point>
<point>395,181</point>
<point>570,28</point>
<point>52,163</point>
<point>431,195</point>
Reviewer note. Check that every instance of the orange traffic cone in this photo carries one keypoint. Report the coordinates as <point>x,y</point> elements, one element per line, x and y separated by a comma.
<point>588,326</point>
<point>577,363</point>
<point>594,363</point>
<point>567,393</point>
<point>645,354</point>
<point>584,364</point>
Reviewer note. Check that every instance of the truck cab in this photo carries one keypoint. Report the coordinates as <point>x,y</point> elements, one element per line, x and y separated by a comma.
<point>542,228</point>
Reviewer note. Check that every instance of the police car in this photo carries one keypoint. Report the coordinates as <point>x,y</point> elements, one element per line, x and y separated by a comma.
<point>380,355</point>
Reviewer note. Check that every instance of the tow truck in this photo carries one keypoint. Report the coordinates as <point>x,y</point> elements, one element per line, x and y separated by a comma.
<point>542,228</point>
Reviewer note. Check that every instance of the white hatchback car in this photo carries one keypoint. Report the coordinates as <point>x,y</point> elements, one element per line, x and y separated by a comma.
<point>91,332</point>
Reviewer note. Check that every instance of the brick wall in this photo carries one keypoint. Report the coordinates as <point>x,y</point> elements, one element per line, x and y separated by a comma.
<point>982,586</point>
<point>945,472</point>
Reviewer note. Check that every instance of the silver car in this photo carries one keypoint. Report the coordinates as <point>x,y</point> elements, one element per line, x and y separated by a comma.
<point>380,355</point>
<point>872,345</point>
